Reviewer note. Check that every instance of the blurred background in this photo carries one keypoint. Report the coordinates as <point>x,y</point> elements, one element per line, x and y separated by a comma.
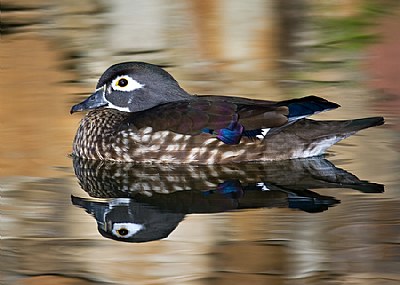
<point>53,52</point>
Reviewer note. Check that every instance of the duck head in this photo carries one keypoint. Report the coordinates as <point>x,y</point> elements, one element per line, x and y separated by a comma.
<point>133,87</point>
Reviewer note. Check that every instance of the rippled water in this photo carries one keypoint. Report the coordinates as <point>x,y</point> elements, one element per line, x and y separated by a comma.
<point>321,221</point>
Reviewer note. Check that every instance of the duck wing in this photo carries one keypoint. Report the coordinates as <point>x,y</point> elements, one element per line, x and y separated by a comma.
<point>229,118</point>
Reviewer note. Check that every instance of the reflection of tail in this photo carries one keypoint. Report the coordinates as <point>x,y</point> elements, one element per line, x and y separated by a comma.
<point>311,202</point>
<point>367,187</point>
<point>304,200</point>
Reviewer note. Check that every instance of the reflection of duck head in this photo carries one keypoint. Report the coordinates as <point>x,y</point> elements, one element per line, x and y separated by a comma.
<point>123,219</point>
<point>147,202</point>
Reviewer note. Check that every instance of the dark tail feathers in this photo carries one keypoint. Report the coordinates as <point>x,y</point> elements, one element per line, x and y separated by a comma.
<point>307,106</point>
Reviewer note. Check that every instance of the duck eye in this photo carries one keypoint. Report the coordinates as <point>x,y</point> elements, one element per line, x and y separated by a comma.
<point>125,83</point>
<point>122,82</point>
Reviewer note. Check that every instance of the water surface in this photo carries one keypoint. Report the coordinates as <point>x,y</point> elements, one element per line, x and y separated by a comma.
<point>330,220</point>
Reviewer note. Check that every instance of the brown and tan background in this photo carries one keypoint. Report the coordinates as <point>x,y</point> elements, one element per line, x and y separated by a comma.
<point>51,54</point>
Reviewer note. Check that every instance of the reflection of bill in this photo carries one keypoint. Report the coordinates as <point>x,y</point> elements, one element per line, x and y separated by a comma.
<point>145,203</point>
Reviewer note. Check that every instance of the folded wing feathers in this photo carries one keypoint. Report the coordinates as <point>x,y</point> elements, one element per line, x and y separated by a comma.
<point>255,118</point>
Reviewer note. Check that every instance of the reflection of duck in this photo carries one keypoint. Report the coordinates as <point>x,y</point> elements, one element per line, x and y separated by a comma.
<point>150,118</point>
<point>147,202</point>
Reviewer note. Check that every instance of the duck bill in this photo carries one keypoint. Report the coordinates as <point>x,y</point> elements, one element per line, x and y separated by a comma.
<point>96,100</point>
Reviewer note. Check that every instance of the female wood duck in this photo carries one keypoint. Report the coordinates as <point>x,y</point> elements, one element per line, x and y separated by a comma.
<point>142,115</point>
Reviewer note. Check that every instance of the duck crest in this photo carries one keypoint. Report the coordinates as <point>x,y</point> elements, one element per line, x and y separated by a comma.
<point>158,122</point>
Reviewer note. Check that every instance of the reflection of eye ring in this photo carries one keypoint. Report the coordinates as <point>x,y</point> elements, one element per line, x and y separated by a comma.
<point>122,82</point>
<point>123,231</point>
<point>126,230</point>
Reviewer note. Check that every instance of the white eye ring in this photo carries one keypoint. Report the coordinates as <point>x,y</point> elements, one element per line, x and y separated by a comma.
<point>131,84</point>
<point>130,228</point>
